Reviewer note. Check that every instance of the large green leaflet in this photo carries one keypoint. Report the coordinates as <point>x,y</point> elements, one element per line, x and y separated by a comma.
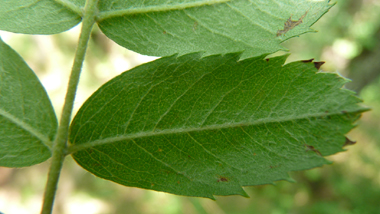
<point>208,126</point>
<point>28,122</point>
<point>38,16</point>
<point>162,27</point>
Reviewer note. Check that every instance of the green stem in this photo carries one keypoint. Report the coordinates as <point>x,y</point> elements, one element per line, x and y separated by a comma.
<point>60,143</point>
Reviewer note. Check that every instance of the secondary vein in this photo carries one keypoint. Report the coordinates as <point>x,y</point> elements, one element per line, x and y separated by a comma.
<point>27,128</point>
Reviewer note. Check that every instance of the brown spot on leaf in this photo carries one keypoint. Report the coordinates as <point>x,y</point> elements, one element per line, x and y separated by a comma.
<point>164,32</point>
<point>195,26</point>
<point>223,179</point>
<point>311,148</point>
<point>178,182</point>
<point>160,150</point>
<point>318,65</point>
<point>167,171</point>
<point>152,184</point>
<point>267,59</point>
<point>290,24</point>
<point>254,153</point>
<point>348,142</point>
<point>274,166</point>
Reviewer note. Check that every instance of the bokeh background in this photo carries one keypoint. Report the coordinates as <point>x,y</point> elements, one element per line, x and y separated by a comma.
<point>348,41</point>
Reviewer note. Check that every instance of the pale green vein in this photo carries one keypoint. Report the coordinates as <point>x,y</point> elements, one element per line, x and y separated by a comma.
<point>160,8</point>
<point>212,154</point>
<point>163,162</point>
<point>27,128</point>
<point>71,6</point>
<point>79,147</point>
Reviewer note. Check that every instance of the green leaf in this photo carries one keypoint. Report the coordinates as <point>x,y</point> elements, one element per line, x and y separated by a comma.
<point>162,28</point>
<point>39,16</point>
<point>28,122</point>
<point>208,126</point>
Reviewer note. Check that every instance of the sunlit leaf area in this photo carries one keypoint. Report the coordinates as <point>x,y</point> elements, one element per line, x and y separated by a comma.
<point>348,40</point>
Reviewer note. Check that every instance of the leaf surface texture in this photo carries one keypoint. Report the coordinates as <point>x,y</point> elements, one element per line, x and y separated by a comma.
<point>162,28</point>
<point>205,126</point>
<point>28,122</point>
<point>39,16</point>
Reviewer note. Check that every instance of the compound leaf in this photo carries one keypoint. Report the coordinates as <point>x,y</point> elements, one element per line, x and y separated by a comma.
<point>39,16</point>
<point>208,126</point>
<point>28,122</point>
<point>162,28</point>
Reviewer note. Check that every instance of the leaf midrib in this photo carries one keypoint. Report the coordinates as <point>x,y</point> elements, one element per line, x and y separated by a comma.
<point>75,148</point>
<point>27,128</point>
<point>160,8</point>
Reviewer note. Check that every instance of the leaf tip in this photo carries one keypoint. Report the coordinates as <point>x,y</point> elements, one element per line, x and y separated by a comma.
<point>244,194</point>
<point>290,179</point>
<point>318,65</point>
<point>348,142</point>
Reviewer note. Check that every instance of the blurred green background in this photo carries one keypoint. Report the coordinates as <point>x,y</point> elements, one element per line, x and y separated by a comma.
<point>348,41</point>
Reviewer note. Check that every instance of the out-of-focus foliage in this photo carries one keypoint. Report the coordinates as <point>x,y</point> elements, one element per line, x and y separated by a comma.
<point>350,185</point>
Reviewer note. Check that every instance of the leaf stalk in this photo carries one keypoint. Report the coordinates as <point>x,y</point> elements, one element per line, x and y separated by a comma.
<point>60,143</point>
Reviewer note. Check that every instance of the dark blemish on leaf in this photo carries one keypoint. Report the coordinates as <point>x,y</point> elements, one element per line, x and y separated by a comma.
<point>290,24</point>
<point>178,182</point>
<point>166,171</point>
<point>164,32</point>
<point>307,61</point>
<point>222,179</point>
<point>254,153</point>
<point>267,60</point>
<point>160,150</point>
<point>152,184</point>
<point>346,113</point>
<point>348,142</point>
<point>195,26</point>
<point>311,148</point>
<point>318,65</point>
<point>326,112</point>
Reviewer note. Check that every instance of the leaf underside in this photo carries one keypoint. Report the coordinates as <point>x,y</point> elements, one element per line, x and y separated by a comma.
<point>208,126</point>
<point>36,17</point>
<point>160,28</point>
<point>28,122</point>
